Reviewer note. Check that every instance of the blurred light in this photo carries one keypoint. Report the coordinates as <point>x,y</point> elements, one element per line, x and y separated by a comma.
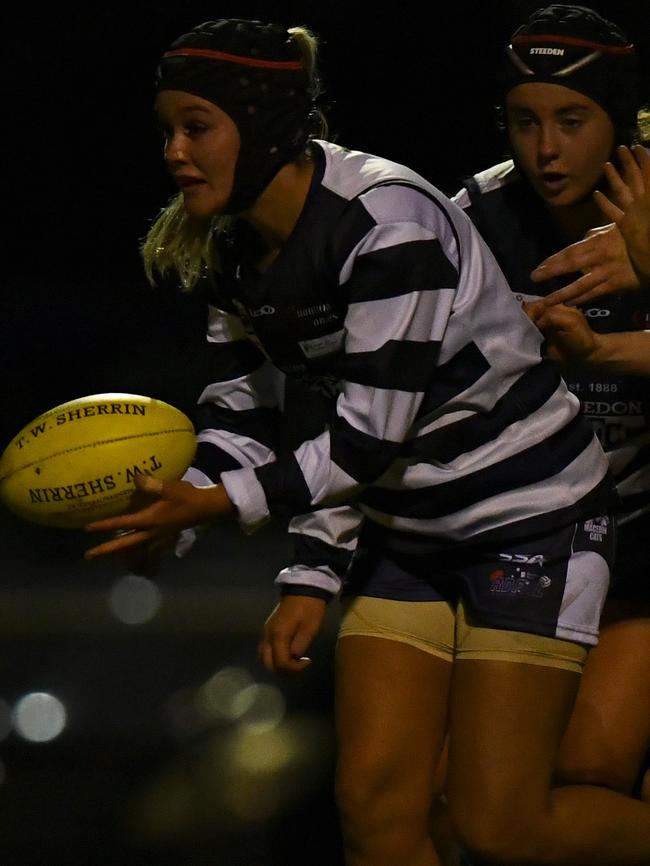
<point>218,698</point>
<point>269,751</point>
<point>259,707</point>
<point>39,717</point>
<point>134,600</point>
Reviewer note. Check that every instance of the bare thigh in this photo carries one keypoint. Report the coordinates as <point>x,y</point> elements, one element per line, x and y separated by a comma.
<point>609,732</point>
<point>391,716</point>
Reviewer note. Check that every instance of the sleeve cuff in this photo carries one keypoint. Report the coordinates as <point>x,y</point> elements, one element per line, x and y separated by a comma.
<point>247,495</point>
<point>322,579</point>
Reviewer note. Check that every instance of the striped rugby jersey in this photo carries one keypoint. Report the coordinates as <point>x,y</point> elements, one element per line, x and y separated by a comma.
<point>516,225</point>
<point>444,426</point>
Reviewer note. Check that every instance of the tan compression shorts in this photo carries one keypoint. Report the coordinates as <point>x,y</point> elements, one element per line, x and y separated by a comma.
<point>438,628</point>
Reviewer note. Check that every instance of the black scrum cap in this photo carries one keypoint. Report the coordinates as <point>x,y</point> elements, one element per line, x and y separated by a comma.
<point>575,47</point>
<point>256,73</point>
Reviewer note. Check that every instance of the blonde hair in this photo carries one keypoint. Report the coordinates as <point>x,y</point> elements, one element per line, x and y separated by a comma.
<point>175,242</point>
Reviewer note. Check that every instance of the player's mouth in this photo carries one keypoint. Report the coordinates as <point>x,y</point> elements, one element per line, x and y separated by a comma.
<point>187,182</point>
<point>552,182</point>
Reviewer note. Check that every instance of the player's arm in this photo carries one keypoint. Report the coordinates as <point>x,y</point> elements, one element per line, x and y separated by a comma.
<point>570,340</point>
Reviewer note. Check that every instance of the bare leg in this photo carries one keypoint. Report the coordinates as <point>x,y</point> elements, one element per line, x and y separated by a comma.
<point>391,720</point>
<point>609,732</point>
<point>507,721</point>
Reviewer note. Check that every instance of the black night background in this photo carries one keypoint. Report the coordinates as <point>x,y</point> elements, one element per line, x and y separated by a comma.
<point>149,767</point>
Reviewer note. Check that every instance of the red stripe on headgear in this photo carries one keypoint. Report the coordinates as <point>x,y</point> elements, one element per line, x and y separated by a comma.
<point>572,40</point>
<point>208,54</point>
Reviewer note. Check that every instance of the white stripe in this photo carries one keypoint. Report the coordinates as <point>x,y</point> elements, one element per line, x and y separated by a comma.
<point>197,478</point>
<point>301,575</point>
<point>534,500</point>
<point>336,526</point>
<point>322,476</point>
<point>251,391</point>
<point>530,431</point>
<point>420,316</point>
<point>393,204</point>
<point>587,581</point>
<point>247,495</point>
<point>224,327</point>
<point>247,451</point>
<point>382,413</point>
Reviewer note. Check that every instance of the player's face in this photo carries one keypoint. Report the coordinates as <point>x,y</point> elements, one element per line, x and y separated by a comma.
<point>561,140</point>
<point>201,149</point>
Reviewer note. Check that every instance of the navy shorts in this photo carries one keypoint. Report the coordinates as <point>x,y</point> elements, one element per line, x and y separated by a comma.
<point>552,584</point>
<point>631,573</point>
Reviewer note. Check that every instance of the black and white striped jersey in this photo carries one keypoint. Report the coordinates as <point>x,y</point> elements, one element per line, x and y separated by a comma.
<point>444,424</point>
<point>518,229</point>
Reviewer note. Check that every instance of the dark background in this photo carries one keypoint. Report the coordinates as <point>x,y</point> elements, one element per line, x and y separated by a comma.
<point>140,775</point>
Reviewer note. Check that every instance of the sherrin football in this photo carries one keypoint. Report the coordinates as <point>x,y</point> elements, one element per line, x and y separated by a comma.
<point>76,463</point>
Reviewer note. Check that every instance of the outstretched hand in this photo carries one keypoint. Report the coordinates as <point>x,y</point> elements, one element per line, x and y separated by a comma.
<point>631,209</point>
<point>171,506</point>
<point>603,258</point>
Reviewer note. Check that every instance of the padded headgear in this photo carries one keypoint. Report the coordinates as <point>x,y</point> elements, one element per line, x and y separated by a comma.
<point>575,47</point>
<point>254,72</point>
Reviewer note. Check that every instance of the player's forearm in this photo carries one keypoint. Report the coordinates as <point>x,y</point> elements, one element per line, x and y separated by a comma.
<point>627,352</point>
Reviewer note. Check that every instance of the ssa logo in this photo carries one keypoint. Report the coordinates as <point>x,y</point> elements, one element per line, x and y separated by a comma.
<point>521,575</point>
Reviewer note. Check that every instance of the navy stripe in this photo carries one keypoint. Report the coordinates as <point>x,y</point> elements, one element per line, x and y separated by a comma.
<point>353,223</point>
<point>528,394</point>
<point>598,501</point>
<point>227,361</point>
<point>397,270</point>
<point>314,553</point>
<point>362,456</point>
<point>400,365</point>
<point>262,424</point>
<point>285,487</point>
<point>453,377</point>
<point>532,466</point>
<point>211,460</point>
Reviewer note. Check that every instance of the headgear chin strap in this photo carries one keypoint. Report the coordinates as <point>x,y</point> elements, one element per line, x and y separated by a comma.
<point>575,47</point>
<point>254,72</point>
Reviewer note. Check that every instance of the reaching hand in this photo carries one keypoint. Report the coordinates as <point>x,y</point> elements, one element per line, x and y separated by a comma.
<point>631,212</point>
<point>569,339</point>
<point>288,633</point>
<point>603,258</point>
<point>172,506</point>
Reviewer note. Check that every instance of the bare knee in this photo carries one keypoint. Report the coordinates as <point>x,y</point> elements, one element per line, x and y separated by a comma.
<point>505,837</point>
<point>599,767</point>
<point>373,799</point>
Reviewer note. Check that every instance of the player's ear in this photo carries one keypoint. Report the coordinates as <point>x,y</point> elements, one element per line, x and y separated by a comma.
<point>500,117</point>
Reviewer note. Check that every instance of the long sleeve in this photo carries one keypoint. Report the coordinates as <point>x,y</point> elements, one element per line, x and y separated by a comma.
<point>400,286</point>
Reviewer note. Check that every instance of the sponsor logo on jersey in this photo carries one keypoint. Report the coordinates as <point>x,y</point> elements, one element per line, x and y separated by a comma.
<point>597,313</point>
<point>266,310</point>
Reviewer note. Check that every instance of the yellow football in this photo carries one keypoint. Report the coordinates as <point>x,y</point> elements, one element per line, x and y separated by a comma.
<point>76,463</point>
